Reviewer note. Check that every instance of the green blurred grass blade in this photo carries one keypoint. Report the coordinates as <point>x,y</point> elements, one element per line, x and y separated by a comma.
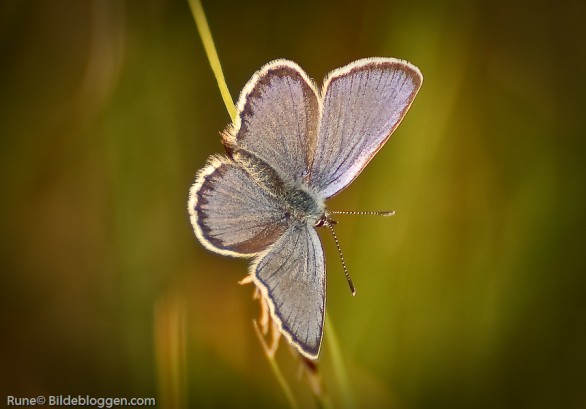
<point>210,49</point>
<point>338,364</point>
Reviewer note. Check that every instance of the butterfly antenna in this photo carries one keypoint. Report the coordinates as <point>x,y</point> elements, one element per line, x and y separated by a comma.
<point>350,283</point>
<point>372,213</point>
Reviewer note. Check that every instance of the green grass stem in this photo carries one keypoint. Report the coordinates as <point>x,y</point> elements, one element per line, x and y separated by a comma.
<point>335,351</point>
<point>208,43</point>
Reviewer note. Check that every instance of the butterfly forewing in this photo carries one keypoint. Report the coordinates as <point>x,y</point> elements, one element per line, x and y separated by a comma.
<point>363,103</point>
<point>277,119</point>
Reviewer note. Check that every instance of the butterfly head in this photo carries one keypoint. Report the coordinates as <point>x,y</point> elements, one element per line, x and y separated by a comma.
<point>325,220</point>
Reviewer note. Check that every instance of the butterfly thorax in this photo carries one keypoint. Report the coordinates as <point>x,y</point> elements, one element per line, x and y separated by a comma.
<point>299,203</point>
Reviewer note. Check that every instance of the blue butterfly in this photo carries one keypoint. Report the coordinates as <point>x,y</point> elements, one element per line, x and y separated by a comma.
<point>290,148</point>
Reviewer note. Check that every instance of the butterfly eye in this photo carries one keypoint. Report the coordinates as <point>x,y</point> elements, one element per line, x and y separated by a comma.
<point>325,220</point>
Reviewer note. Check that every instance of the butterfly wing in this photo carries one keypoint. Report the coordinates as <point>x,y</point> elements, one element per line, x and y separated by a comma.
<point>230,213</point>
<point>363,103</point>
<point>277,115</point>
<point>291,276</point>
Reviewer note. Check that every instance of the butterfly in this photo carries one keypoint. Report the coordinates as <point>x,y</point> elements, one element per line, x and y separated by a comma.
<point>291,147</point>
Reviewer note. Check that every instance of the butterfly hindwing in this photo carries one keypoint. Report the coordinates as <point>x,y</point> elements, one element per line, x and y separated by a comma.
<point>231,213</point>
<point>291,275</point>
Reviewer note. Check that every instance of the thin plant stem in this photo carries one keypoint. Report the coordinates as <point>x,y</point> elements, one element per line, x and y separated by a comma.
<point>338,365</point>
<point>208,44</point>
<point>210,49</point>
<point>275,368</point>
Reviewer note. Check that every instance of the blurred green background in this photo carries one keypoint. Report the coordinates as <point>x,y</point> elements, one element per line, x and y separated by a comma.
<point>473,295</point>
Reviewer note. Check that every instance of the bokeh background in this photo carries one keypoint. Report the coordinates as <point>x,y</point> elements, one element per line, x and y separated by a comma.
<point>473,295</point>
